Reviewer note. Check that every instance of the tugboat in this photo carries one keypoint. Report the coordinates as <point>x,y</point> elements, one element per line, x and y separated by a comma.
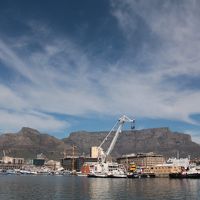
<point>141,175</point>
<point>136,172</point>
<point>193,172</point>
<point>104,168</point>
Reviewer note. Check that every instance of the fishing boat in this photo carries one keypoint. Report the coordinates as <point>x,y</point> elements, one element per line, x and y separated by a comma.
<point>192,172</point>
<point>184,175</point>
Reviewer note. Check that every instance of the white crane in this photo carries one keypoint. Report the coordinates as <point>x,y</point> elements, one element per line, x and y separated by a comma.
<point>102,156</point>
<point>104,168</point>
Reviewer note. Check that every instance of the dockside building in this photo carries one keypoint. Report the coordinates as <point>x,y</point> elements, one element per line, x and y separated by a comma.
<point>142,159</point>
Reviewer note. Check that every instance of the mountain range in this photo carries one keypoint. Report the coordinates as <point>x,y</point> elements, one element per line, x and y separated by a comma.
<point>28,142</point>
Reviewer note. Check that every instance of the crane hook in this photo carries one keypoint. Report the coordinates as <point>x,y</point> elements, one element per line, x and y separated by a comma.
<point>133,125</point>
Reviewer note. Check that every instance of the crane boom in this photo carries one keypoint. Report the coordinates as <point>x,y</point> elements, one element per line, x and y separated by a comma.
<point>114,140</point>
<point>120,123</point>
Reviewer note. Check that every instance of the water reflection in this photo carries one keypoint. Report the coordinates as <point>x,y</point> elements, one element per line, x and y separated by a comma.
<point>143,189</point>
<point>100,188</point>
<point>63,188</point>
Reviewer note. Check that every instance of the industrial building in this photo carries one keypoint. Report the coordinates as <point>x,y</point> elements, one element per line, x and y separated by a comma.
<point>8,162</point>
<point>172,165</point>
<point>75,163</point>
<point>39,160</point>
<point>11,160</point>
<point>142,159</point>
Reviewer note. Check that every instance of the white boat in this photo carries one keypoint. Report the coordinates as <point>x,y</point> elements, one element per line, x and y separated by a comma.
<point>116,170</point>
<point>11,172</point>
<point>80,174</point>
<point>28,172</point>
<point>108,170</point>
<point>97,175</point>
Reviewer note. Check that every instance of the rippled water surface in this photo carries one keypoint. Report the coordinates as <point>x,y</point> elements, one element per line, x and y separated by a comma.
<point>72,187</point>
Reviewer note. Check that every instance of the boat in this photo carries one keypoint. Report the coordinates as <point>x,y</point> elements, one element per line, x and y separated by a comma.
<point>80,174</point>
<point>10,172</point>
<point>192,172</point>
<point>116,170</point>
<point>117,176</point>
<point>97,175</point>
<point>108,170</point>
<point>184,175</point>
<point>141,175</point>
<point>133,175</point>
<point>28,172</point>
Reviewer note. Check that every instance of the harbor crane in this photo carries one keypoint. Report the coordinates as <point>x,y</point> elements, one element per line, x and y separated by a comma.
<point>103,168</point>
<point>102,156</point>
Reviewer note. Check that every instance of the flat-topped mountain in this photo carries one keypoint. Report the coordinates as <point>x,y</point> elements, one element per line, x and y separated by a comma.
<point>29,142</point>
<point>158,140</point>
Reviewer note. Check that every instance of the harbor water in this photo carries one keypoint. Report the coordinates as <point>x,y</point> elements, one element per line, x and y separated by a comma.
<point>75,187</point>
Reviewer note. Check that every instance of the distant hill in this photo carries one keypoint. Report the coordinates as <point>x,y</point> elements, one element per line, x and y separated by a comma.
<point>158,140</point>
<point>29,142</point>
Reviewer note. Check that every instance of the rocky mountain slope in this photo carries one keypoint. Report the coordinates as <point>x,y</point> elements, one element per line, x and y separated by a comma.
<point>29,142</point>
<point>158,140</point>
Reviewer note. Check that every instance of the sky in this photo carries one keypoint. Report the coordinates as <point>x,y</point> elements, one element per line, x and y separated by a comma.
<point>73,65</point>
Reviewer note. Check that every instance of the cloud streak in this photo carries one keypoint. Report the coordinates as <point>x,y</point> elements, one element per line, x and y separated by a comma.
<point>61,77</point>
<point>176,51</point>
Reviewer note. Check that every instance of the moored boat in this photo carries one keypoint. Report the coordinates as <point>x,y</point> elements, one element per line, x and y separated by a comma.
<point>97,175</point>
<point>193,172</point>
<point>182,175</point>
<point>117,176</point>
<point>141,175</point>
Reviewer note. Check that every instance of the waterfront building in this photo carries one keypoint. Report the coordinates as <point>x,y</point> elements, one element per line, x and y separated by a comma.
<point>75,163</point>
<point>141,159</point>
<point>69,162</point>
<point>8,162</point>
<point>53,165</point>
<point>172,165</point>
<point>11,160</point>
<point>38,162</point>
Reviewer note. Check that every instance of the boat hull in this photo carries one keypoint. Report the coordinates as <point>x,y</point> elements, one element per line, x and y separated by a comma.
<point>117,176</point>
<point>135,175</point>
<point>106,176</point>
<point>94,175</point>
<point>180,175</point>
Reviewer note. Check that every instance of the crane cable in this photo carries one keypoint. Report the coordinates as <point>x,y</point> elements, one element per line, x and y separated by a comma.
<point>108,134</point>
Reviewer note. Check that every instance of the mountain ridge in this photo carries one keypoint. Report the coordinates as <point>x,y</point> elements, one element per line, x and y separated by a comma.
<point>29,142</point>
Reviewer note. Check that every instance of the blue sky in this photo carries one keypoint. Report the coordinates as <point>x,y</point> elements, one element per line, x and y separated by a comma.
<point>73,65</point>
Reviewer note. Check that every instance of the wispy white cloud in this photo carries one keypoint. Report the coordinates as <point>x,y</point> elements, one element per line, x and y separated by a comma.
<point>176,27</point>
<point>13,121</point>
<point>10,100</point>
<point>60,77</point>
<point>57,81</point>
<point>194,134</point>
<point>17,111</point>
<point>11,60</point>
